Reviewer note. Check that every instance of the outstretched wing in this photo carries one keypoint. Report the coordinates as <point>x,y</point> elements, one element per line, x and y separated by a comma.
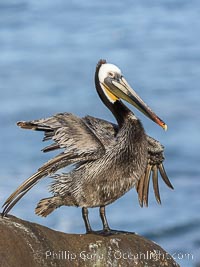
<point>155,165</point>
<point>73,134</point>
<point>69,132</point>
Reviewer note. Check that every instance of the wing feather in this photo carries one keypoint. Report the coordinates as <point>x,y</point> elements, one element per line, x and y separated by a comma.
<point>155,183</point>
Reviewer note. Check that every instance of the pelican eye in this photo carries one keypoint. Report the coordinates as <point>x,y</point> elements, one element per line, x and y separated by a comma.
<point>111,74</point>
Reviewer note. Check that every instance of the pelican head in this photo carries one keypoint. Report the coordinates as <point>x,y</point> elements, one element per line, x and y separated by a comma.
<point>115,87</point>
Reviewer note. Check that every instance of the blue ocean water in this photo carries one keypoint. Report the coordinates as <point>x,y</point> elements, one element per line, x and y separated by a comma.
<point>48,53</point>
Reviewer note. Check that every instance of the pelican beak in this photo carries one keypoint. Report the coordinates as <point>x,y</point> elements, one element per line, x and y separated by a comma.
<point>119,87</point>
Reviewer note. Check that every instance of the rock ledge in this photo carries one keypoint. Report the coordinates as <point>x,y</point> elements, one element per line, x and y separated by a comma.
<point>23,243</point>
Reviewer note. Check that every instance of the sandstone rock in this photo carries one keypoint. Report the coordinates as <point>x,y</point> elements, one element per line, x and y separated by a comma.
<point>24,244</point>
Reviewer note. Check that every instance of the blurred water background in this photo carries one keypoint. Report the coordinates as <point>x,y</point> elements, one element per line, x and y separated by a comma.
<point>48,54</point>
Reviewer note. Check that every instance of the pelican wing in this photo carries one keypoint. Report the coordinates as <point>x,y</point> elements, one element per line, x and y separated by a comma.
<point>155,165</point>
<point>67,131</point>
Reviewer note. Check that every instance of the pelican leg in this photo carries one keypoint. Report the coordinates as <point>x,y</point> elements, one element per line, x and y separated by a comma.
<point>102,213</point>
<point>86,220</point>
<point>106,229</point>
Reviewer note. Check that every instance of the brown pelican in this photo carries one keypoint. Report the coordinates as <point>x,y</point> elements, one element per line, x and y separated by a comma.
<point>108,159</point>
